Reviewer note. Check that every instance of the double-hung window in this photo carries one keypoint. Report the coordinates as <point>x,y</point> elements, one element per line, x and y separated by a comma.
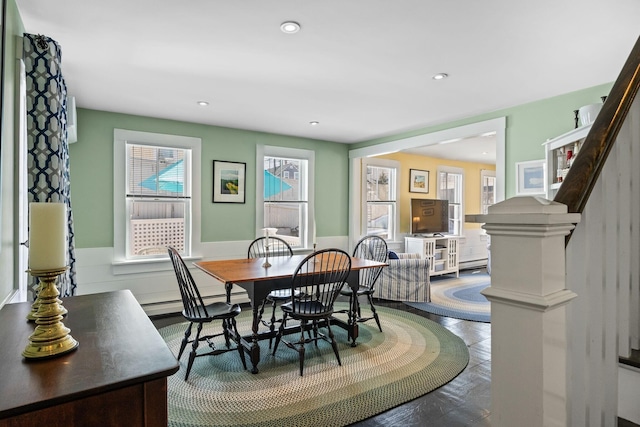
<point>285,183</point>
<point>450,187</point>
<point>155,198</point>
<point>487,190</point>
<point>380,184</point>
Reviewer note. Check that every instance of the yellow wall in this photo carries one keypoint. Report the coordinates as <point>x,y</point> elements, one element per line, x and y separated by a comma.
<point>412,161</point>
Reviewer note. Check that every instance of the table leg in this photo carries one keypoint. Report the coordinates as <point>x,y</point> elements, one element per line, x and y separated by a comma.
<point>254,350</point>
<point>353,281</point>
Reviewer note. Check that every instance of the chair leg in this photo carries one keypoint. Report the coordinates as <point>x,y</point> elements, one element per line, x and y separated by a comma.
<point>375,313</point>
<point>334,344</point>
<point>272,325</point>
<point>194,348</point>
<point>279,334</point>
<point>185,340</point>
<point>238,340</point>
<point>300,348</point>
<point>225,332</point>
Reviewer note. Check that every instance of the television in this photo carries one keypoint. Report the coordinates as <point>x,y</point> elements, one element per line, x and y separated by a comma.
<point>429,216</point>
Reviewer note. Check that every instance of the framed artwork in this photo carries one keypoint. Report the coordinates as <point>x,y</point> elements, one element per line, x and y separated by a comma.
<point>418,181</point>
<point>228,182</point>
<point>530,178</point>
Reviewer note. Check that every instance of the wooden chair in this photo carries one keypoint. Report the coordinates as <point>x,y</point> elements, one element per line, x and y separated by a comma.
<point>277,247</point>
<point>195,311</point>
<point>373,248</point>
<point>317,282</point>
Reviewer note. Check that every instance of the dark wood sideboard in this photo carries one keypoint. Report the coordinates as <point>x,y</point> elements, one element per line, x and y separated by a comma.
<point>117,376</point>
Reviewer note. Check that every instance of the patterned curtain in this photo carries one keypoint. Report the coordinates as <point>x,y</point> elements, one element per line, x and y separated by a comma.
<point>47,144</point>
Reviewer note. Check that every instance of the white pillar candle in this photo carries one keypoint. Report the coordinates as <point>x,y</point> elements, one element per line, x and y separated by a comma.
<point>266,236</point>
<point>47,236</point>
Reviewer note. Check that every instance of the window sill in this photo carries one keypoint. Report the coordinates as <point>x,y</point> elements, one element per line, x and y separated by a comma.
<point>147,265</point>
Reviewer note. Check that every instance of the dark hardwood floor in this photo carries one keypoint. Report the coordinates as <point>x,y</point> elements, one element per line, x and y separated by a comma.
<point>463,402</point>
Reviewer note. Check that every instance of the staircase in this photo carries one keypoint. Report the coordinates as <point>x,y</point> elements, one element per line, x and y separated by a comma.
<point>566,303</point>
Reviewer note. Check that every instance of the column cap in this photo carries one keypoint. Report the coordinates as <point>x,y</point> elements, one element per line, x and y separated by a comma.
<point>526,210</point>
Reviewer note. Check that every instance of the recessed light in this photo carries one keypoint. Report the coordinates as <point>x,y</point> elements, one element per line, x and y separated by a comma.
<point>440,76</point>
<point>314,123</point>
<point>203,103</point>
<point>290,27</point>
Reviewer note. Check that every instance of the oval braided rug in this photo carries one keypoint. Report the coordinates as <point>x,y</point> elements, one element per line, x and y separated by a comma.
<point>413,356</point>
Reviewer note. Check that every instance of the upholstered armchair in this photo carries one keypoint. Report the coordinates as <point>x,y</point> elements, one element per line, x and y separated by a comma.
<point>405,279</point>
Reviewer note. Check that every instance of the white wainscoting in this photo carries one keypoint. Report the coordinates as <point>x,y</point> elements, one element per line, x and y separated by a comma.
<point>157,291</point>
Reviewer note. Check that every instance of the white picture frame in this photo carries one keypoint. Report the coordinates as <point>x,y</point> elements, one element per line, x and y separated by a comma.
<point>531,178</point>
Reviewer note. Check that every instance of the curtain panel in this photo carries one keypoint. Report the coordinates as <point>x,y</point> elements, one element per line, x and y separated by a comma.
<point>47,142</point>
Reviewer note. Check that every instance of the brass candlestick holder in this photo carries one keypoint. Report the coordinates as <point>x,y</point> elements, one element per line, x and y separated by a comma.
<point>50,337</point>
<point>266,263</point>
<point>36,303</point>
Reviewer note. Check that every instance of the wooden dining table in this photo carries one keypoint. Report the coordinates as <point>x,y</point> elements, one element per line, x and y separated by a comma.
<point>251,275</point>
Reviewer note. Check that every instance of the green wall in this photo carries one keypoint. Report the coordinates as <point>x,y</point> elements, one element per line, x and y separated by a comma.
<point>91,168</point>
<point>528,126</point>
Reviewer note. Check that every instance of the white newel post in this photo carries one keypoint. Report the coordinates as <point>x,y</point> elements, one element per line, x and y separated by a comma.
<point>528,311</point>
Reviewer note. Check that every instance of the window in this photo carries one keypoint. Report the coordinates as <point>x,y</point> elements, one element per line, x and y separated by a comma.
<point>380,182</point>
<point>450,187</point>
<point>287,203</point>
<point>487,190</point>
<point>156,195</point>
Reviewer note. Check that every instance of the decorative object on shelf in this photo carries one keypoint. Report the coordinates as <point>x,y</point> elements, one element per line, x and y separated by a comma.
<point>47,261</point>
<point>557,157</point>
<point>530,177</point>
<point>229,182</point>
<point>576,114</point>
<point>418,181</point>
<point>588,113</point>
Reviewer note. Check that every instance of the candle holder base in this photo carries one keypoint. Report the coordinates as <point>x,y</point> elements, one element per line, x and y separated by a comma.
<point>266,264</point>
<point>50,337</point>
<point>36,303</point>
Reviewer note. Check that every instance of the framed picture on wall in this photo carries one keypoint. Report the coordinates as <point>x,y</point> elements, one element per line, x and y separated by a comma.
<point>530,178</point>
<point>228,182</point>
<point>418,181</point>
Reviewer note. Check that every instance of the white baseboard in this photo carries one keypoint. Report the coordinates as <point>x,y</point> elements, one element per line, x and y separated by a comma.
<point>478,263</point>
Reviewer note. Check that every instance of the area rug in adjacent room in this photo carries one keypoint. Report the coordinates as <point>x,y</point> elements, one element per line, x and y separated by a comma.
<point>412,357</point>
<point>459,297</point>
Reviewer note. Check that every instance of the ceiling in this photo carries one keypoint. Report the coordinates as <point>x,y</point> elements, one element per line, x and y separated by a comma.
<point>361,68</point>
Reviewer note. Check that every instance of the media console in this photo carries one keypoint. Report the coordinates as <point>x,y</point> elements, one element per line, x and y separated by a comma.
<point>442,253</point>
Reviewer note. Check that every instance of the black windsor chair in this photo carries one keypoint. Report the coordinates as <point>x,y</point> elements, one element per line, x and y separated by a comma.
<point>195,311</point>
<point>317,282</point>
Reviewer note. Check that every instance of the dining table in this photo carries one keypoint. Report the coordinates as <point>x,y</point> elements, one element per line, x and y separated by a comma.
<point>259,276</point>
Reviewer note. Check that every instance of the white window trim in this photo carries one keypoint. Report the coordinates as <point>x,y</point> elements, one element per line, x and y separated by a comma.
<point>120,263</point>
<point>452,169</point>
<point>289,153</point>
<point>385,163</point>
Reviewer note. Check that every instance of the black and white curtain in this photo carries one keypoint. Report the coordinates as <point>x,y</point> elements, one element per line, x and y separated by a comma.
<point>47,143</point>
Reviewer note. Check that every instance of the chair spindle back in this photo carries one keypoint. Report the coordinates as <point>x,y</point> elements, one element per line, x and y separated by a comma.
<point>318,280</point>
<point>191,300</point>
<point>277,247</point>
<point>373,248</point>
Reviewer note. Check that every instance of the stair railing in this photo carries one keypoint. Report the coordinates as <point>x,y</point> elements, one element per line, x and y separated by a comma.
<point>586,168</point>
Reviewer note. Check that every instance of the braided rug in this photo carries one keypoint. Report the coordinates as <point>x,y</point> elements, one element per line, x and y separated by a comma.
<point>412,357</point>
